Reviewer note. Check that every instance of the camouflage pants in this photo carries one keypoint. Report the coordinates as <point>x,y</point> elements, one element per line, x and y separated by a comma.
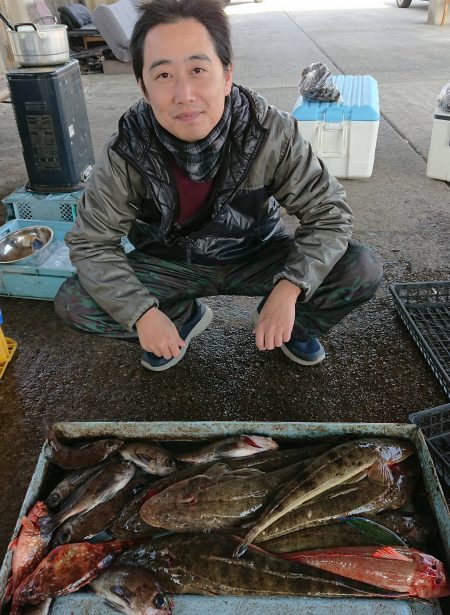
<point>353,280</point>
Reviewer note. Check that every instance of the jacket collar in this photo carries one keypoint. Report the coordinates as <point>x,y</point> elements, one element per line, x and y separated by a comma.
<point>136,142</point>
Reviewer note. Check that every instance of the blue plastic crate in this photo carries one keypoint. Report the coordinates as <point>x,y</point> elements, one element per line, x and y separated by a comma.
<point>37,281</point>
<point>24,205</point>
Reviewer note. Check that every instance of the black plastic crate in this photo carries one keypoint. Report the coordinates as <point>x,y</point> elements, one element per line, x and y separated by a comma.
<point>425,310</point>
<point>435,424</point>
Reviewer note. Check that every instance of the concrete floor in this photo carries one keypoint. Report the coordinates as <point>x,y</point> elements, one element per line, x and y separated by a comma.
<point>373,370</point>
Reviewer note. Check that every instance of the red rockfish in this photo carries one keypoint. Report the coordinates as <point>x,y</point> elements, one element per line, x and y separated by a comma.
<point>400,569</point>
<point>29,547</point>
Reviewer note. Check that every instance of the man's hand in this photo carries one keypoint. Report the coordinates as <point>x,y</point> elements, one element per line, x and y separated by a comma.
<point>277,317</point>
<point>158,334</point>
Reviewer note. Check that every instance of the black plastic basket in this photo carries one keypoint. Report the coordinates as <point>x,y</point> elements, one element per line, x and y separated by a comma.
<point>425,310</point>
<point>435,424</point>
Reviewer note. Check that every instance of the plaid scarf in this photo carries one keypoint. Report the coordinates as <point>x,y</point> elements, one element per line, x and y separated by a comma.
<point>199,160</point>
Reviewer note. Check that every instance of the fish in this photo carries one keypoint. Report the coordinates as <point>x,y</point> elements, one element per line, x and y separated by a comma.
<point>132,590</point>
<point>129,522</point>
<point>275,460</point>
<point>99,488</point>
<point>346,500</point>
<point>86,525</point>
<point>29,547</point>
<point>407,571</point>
<point>414,530</point>
<point>65,570</point>
<point>347,461</point>
<point>201,564</point>
<point>337,534</point>
<point>238,446</point>
<point>218,499</point>
<point>151,458</point>
<point>69,484</point>
<point>75,457</point>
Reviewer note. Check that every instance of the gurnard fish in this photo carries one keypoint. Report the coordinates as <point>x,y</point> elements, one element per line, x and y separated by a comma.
<point>399,569</point>
<point>220,498</point>
<point>65,570</point>
<point>239,446</point>
<point>69,484</point>
<point>86,525</point>
<point>189,564</point>
<point>345,500</point>
<point>100,487</point>
<point>414,530</point>
<point>357,458</point>
<point>150,457</point>
<point>75,457</point>
<point>132,590</point>
<point>29,547</point>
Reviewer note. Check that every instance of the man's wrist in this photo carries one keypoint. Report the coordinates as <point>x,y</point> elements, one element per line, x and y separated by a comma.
<point>288,287</point>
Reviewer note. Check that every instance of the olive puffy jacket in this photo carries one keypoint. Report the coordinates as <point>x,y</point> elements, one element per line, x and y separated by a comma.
<point>266,164</point>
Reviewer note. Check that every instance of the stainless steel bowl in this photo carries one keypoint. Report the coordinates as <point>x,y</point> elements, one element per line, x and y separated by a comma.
<point>20,245</point>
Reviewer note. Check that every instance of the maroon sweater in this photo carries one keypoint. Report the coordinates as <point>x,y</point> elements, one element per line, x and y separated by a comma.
<point>191,195</point>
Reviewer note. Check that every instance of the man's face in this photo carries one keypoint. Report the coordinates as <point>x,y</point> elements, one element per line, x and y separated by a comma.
<point>184,80</point>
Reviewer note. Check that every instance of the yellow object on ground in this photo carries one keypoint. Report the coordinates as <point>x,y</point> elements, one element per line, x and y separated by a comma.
<point>7,350</point>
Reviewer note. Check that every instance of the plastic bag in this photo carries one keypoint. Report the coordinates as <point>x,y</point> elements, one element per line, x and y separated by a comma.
<point>316,83</point>
<point>444,97</point>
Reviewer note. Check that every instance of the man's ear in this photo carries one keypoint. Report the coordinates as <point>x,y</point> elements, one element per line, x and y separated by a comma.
<point>228,79</point>
<point>142,88</point>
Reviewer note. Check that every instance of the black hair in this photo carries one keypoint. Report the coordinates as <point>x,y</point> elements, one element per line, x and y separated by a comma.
<point>209,13</point>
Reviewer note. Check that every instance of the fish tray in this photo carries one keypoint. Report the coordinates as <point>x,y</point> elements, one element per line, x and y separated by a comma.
<point>287,434</point>
<point>435,424</point>
<point>425,311</point>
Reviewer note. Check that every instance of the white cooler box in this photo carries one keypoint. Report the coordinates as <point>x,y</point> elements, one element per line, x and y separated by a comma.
<point>343,133</point>
<point>438,165</point>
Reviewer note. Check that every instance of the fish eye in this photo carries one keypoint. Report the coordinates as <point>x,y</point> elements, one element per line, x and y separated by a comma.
<point>64,537</point>
<point>171,462</point>
<point>437,581</point>
<point>160,601</point>
<point>110,443</point>
<point>30,592</point>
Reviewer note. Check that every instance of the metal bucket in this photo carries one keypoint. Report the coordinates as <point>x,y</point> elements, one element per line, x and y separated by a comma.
<point>39,45</point>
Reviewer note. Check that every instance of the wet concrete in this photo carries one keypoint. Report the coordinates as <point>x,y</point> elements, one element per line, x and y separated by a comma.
<point>373,371</point>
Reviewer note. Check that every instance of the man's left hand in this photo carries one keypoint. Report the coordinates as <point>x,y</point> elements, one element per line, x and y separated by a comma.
<point>277,317</point>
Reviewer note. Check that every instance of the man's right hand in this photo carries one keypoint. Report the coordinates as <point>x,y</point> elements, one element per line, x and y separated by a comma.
<point>158,334</point>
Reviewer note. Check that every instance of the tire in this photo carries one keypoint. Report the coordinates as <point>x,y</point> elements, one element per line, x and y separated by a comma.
<point>403,4</point>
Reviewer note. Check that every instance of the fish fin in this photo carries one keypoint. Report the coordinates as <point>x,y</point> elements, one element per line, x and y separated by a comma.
<point>390,553</point>
<point>380,473</point>
<point>9,590</point>
<point>13,544</point>
<point>27,524</point>
<point>377,533</point>
<point>217,471</point>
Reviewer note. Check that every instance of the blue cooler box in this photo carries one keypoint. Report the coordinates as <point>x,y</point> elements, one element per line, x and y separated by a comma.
<point>343,133</point>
